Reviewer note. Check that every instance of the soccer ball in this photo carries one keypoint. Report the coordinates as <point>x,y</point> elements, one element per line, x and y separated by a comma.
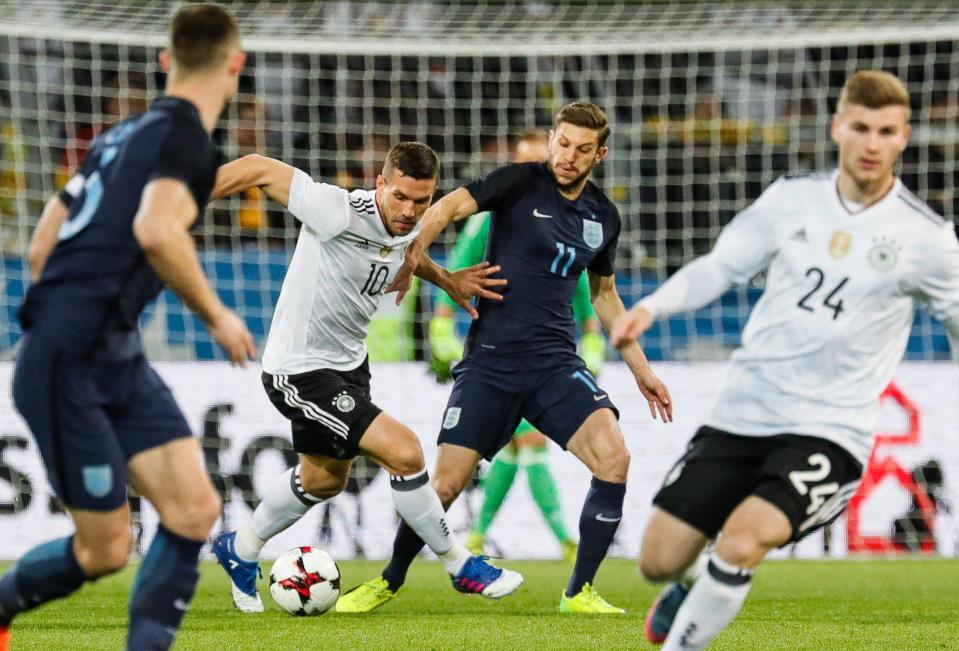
<point>305,581</point>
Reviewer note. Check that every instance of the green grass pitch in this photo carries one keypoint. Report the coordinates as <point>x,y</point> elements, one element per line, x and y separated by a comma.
<point>874,604</point>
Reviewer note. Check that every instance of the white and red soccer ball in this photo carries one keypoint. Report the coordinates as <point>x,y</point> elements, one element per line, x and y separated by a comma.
<point>305,581</point>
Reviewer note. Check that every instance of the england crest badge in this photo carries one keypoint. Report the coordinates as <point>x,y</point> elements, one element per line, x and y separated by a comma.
<point>592,233</point>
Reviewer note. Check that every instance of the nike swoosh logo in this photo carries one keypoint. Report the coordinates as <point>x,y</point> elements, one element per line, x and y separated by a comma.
<point>598,398</point>
<point>603,518</point>
<point>537,213</point>
<point>179,604</point>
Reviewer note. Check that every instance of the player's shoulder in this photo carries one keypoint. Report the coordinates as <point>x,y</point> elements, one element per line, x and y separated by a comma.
<point>917,209</point>
<point>362,202</point>
<point>604,205</point>
<point>792,192</point>
<point>176,123</point>
<point>809,176</point>
<point>528,175</point>
<point>802,182</point>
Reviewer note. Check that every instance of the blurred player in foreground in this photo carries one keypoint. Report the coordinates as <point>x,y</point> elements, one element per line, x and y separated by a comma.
<point>315,367</point>
<point>548,224</point>
<point>846,253</point>
<point>100,415</point>
<point>528,448</point>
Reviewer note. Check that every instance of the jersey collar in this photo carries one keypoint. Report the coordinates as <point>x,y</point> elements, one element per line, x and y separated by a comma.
<point>176,105</point>
<point>838,200</point>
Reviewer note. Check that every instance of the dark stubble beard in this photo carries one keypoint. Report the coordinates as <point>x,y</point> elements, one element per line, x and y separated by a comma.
<point>572,184</point>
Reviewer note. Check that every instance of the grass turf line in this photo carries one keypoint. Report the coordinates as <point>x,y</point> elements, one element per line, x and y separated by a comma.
<point>903,603</point>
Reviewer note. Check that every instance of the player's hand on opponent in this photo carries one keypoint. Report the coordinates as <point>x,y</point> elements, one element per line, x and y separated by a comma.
<point>630,325</point>
<point>656,394</point>
<point>229,330</point>
<point>474,281</point>
<point>403,279</point>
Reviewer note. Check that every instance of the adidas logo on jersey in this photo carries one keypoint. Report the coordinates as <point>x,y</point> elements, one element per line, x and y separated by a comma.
<point>800,235</point>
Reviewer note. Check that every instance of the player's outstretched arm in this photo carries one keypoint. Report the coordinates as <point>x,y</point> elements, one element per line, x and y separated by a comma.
<point>609,306</point>
<point>273,176</point>
<point>45,235</point>
<point>464,284</point>
<point>744,248</point>
<point>456,205</point>
<point>161,227</point>
<point>696,285</point>
<point>469,249</point>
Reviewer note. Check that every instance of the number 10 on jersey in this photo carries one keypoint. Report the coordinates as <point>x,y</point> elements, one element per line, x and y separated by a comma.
<point>376,280</point>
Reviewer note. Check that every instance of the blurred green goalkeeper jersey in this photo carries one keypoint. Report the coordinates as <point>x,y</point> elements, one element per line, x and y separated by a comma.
<point>471,247</point>
<point>390,336</point>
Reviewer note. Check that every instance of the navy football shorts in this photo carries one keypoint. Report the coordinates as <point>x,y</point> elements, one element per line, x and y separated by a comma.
<point>486,404</point>
<point>89,418</point>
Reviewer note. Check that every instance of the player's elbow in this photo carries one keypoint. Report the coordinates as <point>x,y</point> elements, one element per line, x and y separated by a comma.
<point>151,234</point>
<point>259,170</point>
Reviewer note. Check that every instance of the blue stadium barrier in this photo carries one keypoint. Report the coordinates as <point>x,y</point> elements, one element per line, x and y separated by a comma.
<point>249,281</point>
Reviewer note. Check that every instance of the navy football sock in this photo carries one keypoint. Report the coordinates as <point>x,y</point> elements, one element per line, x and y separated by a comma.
<point>597,525</point>
<point>46,572</point>
<point>162,591</point>
<point>406,546</point>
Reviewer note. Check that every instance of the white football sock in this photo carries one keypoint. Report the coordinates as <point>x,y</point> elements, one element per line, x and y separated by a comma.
<point>714,601</point>
<point>694,571</point>
<point>420,507</point>
<point>285,503</point>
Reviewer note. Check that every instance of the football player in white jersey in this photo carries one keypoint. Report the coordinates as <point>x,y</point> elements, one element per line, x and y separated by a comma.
<point>846,253</point>
<point>315,368</point>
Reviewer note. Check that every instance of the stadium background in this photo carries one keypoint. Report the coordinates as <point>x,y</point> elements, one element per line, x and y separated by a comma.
<point>709,102</point>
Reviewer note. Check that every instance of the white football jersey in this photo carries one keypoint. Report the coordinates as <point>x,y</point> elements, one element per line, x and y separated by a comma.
<point>344,259</point>
<point>826,336</point>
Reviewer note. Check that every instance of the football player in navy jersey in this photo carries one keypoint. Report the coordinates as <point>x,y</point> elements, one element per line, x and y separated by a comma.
<point>100,415</point>
<point>549,222</point>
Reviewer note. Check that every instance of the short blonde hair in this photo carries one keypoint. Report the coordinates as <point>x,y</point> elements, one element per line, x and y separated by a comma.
<point>874,89</point>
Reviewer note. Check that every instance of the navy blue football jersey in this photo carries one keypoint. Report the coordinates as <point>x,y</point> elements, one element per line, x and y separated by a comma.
<point>543,241</point>
<point>97,279</point>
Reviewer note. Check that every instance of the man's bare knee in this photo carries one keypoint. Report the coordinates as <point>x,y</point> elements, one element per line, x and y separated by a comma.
<point>195,518</point>
<point>105,555</point>
<point>669,547</point>
<point>658,570</point>
<point>613,466</point>
<point>321,484</point>
<point>406,461</point>
<point>740,549</point>
<point>448,488</point>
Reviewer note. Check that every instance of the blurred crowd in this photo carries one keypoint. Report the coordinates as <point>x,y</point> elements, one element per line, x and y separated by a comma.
<point>696,135</point>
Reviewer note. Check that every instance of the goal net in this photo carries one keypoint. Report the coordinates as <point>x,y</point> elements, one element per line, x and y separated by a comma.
<point>709,101</point>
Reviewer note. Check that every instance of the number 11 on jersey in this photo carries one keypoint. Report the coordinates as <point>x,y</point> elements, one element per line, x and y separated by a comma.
<point>563,250</point>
